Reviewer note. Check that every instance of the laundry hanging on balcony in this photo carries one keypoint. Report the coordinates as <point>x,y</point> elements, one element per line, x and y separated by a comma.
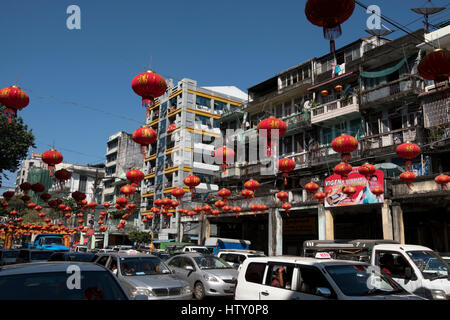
<point>385,72</point>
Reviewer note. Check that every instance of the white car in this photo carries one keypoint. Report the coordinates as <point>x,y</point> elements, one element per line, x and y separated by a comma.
<point>236,257</point>
<point>300,278</point>
<point>199,249</point>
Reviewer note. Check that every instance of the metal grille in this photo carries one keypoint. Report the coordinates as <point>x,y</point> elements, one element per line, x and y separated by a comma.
<point>229,280</point>
<point>167,292</point>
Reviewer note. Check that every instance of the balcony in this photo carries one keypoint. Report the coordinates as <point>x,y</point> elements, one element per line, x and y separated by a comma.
<point>376,144</point>
<point>391,91</point>
<point>335,109</point>
<point>296,121</point>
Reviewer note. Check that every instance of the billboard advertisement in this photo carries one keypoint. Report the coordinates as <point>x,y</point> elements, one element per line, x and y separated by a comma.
<point>334,186</point>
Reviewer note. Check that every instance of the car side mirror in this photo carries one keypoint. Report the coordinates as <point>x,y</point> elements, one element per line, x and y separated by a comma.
<point>324,292</point>
<point>408,273</point>
<point>190,268</point>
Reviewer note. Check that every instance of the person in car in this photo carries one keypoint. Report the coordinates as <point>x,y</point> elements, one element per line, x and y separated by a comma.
<point>277,278</point>
<point>387,263</point>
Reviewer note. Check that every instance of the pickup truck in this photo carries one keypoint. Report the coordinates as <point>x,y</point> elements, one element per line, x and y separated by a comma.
<point>217,244</point>
<point>54,242</point>
<point>419,270</point>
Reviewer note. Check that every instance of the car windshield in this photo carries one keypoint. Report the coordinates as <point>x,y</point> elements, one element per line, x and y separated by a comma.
<point>362,280</point>
<point>430,264</point>
<point>88,257</point>
<point>201,250</point>
<point>142,266</point>
<point>41,255</point>
<point>211,262</point>
<point>52,240</point>
<point>94,285</point>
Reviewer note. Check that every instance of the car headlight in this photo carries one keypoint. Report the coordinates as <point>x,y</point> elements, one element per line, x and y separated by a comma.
<point>186,290</point>
<point>210,277</point>
<point>141,291</point>
<point>438,294</point>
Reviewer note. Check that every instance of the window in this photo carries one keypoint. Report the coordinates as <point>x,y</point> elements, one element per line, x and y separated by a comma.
<point>280,276</point>
<point>102,261</point>
<point>393,263</point>
<point>287,144</point>
<point>203,102</point>
<point>255,272</point>
<point>219,106</point>
<point>309,279</point>
<point>83,182</point>
<point>356,128</point>
<point>176,262</point>
<point>279,111</point>
<point>327,136</point>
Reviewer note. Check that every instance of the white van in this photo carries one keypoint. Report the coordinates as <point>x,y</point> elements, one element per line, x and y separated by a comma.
<point>199,249</point>
<point>300,278</point>
<point>417,269</point>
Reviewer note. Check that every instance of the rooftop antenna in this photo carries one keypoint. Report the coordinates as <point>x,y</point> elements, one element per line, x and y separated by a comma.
<point>426,11</point>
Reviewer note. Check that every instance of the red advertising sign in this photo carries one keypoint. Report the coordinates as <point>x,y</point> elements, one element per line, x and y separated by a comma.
<point>334,186</point>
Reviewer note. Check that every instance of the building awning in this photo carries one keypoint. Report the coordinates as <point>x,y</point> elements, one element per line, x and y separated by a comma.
<point>331,80</point>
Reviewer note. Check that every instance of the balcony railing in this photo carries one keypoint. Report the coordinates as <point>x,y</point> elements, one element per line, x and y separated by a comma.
<point>335,109</point>
<point>296,121</point>
<point>391,89</point>
<point>391,138</point>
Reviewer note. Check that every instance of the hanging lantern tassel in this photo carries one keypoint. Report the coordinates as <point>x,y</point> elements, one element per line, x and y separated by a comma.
<point>10,113</point>
<point>332,46</point>
<point>224,167</point>
<point>285,175</point>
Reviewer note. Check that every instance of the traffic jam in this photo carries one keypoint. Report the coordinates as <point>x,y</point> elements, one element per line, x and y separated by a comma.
<point>223,269</point>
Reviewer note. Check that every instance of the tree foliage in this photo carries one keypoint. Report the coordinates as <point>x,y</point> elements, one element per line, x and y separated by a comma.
<point>15,141</point>
<point>139,236</point>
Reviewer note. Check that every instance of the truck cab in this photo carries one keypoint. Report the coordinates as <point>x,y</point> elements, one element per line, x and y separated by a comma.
<point>217,244</point>
<point>417,269</point>
<point>54,242</point>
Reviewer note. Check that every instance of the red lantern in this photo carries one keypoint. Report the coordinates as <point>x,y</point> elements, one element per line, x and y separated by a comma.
<point>435,66</point>
<point>254,208</point>
<point>270,125</point>
<point>237,210</point>
<point>286,165</point>
<point>38,208</point>
<point>38,187</point>
<point>166,202</point>
<point>227,209</point>
<point>13,213</point>
<point>367,170</point>
<point>207,209</point>
<point>345,144</point>
<point>287,206</point>
<point>45,196</point>
<point>59,223</point>
<point>311,187</point>
<point>41,215</point>
<point>198,209</point>
<point>224,194</point>
<point>80,221</point>
<point>127,190</point>
<point>149,85</point>
<point>329,14</point>
<point>263,207</point>
<point>25,187</point>
<point>378,191</point>
<point>4,204</point>
<point>8,195</point>
<point>52,158</point>
<point>343,169</point>
<point>122,201</point>
<point>68,215</point>
<point>150,217</point>
<point>251,185</point>
<point>78,196</point>
<point>106,205</point>
<point>247,194</point>
<point>442,180</point>
<point>192,181</point>
<point>31,206</point>
<point>283,196</point>
<point>174,204</point>
<point>338,88</point>
<point>14,99</point>
<point>158,203</point>
<point>408,177</point>
<point>144,136</point>
<point>62,175</point>
<point>220,204</point>
<point>324,93</point>
<point>144,220</point>
<point>135,176</point>
<point>171,127</point>
<point>48,220</point>
<point>155,210</point>
<point>178,193</point>
<point>216,212</point>
<point>224,156</point>
<point>349,190</point>
<point>319,196</point>
<point>408,151</point>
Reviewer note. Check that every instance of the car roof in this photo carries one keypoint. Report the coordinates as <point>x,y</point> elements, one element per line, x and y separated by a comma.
<point>125,255</point>
<point>44,267</point>
<point>193,255</point>
<point>37,250</point>
<point>404,247</point>
<point>240,251</point>
<point>304,260</point>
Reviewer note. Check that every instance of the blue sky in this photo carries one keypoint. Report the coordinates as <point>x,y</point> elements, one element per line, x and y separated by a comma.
<point>231,42</point>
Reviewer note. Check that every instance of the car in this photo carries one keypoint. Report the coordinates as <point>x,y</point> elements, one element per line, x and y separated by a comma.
<point>145,275</point>
<point>122,248</point>
<point>300,278</point>
<point>80,249</point>
<point>206,274</point>
<point>162,255</point>
<point>105,250</point>
<point>72,256</point>
<point>445,256</point>
<point>33,255</point>
<point>51,281</point>
<point>236,257</point>
<point>199,249</point>
<point>8,256</point>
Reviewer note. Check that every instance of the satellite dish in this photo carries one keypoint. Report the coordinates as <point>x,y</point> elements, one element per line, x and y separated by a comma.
<point>307,105</point>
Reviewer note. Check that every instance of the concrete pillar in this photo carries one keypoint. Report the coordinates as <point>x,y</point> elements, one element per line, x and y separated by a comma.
<point>398,226</point>
<point>105,239</point>
<point>275,233</point>
<point>386,219</point>
<point>321,226</point>
<point>329,224</point>
<point>204,230</point>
